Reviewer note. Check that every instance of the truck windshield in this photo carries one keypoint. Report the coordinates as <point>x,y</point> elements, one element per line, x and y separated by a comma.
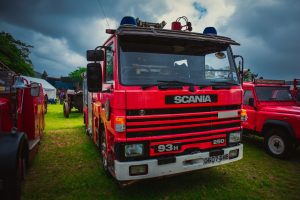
<point>273,93</point>
<point>153,62</point>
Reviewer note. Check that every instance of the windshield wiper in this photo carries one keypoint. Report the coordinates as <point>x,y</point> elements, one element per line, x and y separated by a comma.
<point>174,82</point>
<point>163,84</point>
<point>223,82</point>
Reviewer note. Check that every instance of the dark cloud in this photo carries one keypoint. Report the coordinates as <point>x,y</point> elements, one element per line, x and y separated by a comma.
<point>269,34</point>
<point>61,31</point>
<point>73,22</point>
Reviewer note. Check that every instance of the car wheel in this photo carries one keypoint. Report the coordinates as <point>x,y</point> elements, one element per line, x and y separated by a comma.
<point>278,143</point>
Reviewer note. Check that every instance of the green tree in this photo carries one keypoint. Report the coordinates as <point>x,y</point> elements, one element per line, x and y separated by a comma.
<point>77,74</point>
<point>15,54</point>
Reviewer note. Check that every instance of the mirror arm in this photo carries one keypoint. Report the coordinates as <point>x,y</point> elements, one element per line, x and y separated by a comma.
<point>242,73</point>
<point>106,91</point>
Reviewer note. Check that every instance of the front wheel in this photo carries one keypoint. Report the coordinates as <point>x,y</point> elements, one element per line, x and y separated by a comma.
<point>103,150</point>
<point>13,184</point>
<point>278,143</point>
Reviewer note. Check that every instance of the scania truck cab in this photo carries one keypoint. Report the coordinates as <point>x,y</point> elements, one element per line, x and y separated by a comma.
<point>164,101</point>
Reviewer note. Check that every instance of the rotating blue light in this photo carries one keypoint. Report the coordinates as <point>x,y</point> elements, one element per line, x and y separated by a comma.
<point>128,20</point>
<point>210,31</point>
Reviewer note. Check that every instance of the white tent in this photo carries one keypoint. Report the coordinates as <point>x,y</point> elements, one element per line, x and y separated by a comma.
<point>49,89</point>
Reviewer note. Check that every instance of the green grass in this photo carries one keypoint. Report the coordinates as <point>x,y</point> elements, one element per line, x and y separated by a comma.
<point>68,167</point>
<point>55,119</point>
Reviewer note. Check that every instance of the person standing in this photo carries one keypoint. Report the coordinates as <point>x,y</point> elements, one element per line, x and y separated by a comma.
<point>62,97</point>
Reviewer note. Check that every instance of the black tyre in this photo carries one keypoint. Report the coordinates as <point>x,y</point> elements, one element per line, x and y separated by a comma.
<point>13,184</point>
<point>278,143</point>
<point>66,110</point>
<point>103,150</point>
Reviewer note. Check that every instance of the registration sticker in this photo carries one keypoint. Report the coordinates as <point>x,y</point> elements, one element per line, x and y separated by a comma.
<point>215,159</point>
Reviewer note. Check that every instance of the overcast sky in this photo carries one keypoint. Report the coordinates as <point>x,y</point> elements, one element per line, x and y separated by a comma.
<point>62,30</point>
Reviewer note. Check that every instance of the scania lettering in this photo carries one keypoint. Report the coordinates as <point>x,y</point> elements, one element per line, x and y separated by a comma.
<point>164,101</point>
<point>192,99</point>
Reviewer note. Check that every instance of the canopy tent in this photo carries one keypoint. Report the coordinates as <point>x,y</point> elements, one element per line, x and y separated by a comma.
<point>47,87</point>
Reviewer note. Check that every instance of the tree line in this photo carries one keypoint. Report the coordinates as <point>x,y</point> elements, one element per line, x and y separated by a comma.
<point>15,54</point>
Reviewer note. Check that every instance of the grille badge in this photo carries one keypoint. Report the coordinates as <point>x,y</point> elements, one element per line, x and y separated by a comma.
<point>142,112</point>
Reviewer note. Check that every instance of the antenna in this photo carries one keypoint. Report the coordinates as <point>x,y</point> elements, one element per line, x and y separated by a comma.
<point>99,2</point>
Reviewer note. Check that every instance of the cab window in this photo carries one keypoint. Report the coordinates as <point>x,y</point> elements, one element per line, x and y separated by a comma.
<point>109,72</point>
<point>247,95</point>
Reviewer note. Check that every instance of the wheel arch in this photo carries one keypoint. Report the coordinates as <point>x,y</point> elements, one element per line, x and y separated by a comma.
<point>280,124</point>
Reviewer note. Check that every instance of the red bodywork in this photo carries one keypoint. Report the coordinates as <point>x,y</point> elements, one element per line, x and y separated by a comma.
<point>23,114</point>
<point>21,128</point>
<point>30,115</point>
<point>285,112</point>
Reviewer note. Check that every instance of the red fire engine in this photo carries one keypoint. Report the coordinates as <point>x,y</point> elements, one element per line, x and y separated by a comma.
<point>21,128</point>
<point>273,114</point>
<point>164,101</point>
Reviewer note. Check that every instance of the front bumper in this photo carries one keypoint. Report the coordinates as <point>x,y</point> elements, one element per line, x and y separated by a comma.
<point>184,163</point>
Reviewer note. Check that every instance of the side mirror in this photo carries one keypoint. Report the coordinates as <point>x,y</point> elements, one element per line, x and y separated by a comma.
<point>251,102</point>
<point>94,77</point>
<point>35,90</point>
<point>94,55</point>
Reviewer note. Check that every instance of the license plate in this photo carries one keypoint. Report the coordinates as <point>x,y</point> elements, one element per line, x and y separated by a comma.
<point>166,148</point>
<point>215,159</point>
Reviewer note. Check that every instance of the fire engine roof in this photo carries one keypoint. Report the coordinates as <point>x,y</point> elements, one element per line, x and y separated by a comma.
<point>252,84</point>
<point>165,33</point>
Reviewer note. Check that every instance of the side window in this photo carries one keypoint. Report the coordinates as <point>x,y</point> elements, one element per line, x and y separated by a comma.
<point>247,95</point>
<point>109,72</point>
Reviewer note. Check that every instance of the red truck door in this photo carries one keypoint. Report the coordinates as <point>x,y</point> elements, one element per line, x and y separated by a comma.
<point>108,78</point>
<point>249,105</point>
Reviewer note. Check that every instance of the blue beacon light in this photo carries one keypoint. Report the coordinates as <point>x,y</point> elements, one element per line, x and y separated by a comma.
<point>210,31</point>
<point>128,20</point>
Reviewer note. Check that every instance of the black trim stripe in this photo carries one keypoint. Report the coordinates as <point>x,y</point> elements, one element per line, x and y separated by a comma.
<point>182,110</point>
<point>197,142</point>
<point>189,137</point>
<point>180,123</point>
<point>182,130</point>
<point>171,118</point>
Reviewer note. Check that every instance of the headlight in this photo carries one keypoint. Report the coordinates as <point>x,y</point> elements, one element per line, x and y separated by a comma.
<point>234,137</point>
<point>133,150</point>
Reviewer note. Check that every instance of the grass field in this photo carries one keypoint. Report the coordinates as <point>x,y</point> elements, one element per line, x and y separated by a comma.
<point>68,167</point>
